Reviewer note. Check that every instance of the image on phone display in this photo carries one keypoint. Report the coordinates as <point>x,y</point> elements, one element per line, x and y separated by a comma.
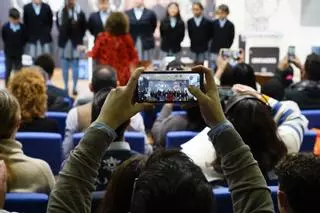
<point>291,53</point>
<point>167,87</point>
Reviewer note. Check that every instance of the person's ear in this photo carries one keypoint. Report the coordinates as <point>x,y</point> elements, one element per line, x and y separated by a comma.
<point>283,203</point>
<point>90,87</point>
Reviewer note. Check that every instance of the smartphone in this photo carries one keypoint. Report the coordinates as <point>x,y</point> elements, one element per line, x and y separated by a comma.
<point>167,87</point>
<point>291,53</point>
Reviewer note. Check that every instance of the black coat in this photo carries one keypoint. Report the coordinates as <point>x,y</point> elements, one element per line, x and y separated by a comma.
<point>38,27</point>
<point>14,42</point>
<point>200,35</point>
<point>95,25</point>
<point>56,102</point>
<point>70,30</point>
<point>143,28</point>
<point>222,37</point>
<point>171,38</point>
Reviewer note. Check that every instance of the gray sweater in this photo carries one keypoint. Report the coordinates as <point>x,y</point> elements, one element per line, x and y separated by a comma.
<point>72,193</point>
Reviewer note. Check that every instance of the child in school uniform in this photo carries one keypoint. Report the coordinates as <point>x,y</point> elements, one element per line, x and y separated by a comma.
<point>14,39</point>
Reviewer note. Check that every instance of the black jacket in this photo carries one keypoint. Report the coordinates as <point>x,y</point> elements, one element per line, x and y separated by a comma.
<point>56,99</point>
<point>38,27</point>
<point>171,38</point>
<point>200,36</point>
<point>40,125</point>
<point>221,37</point>
<point>143,28</point>
<point>305,93</point>
<point>95,25</point>
<point>71,30</point>
<point>14,42</point>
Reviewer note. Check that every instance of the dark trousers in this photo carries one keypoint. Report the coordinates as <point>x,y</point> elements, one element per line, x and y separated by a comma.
<point>12,63</point>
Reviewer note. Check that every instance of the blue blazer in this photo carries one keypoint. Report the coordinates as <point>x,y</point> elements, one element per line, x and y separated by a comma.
<point>95,25</point>
<point>143,28</point>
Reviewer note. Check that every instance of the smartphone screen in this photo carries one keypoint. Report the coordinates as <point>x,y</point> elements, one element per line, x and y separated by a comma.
<point>167,87</point>
<point>291,52</point>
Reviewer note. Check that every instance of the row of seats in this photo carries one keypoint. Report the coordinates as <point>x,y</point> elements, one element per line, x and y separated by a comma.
<point>37,203</point>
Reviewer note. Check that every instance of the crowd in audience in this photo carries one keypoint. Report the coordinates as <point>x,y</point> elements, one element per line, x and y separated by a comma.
<point>247,140</point>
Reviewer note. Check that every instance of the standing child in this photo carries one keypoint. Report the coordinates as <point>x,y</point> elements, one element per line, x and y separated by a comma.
<point>199,29</point>
<point>14,39</point>
<point>222,32</point>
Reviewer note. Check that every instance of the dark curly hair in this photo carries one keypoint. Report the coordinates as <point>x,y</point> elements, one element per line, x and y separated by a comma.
<point>117,24</point>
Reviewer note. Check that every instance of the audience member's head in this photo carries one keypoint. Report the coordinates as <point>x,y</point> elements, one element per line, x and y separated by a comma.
<point>121,185</point>
<point>223,11</point>
<point>312,67</point>
<point>103,77</point>
<point>9,114</point>
<point>117,24</point>
<point>173,10</point>
<point>98,101</point>
<point>240,74</point>
<point>29,87</point>
<point>171,182</point>
<point>46,62</point>
<point>299,183</point>
<point>253,120</point>
<point>14,16</point>
<point>175,65</point>
<point>197,9</point>
<point>274,89</point>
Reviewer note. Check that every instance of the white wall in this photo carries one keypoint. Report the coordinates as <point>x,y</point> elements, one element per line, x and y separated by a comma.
<point>286,20</point>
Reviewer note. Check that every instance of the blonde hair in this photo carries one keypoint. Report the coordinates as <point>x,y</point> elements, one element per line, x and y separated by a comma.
<point>9,108</point>
<point>29,87</point>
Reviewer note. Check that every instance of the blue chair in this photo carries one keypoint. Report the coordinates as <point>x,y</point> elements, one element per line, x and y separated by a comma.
<point>176,139</point>
<point>309,140</point>
<point>135,139</point>
<point>26,202</point>
<point>60,117</point>
<point>314,118</point>
<point>176,113</point>
<point>45,146</point>
<point>224,202</point>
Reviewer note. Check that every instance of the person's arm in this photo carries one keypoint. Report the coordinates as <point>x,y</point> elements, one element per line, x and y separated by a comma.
<point>190,30</point>
<point>182,32</point>
<point>50,19</point>
<point>163,29</point>
<point>95,52</point>
<point>132,52</point>
<point>4,34</point>
<point>71,128</point>
<point>72,192</point>
<point>231,35</point>
<point>291,123</point>
<point>83,25</point>
<point>247,185</point>
<point>153,21</point>
<point>91,24</point>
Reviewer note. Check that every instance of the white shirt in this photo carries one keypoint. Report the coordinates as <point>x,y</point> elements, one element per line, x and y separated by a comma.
<point>222,22</point>
<point>37,8</point>
<point>198,20</point>
<point>173,22</point>
<point>138,12</point>
<point>104,17</point>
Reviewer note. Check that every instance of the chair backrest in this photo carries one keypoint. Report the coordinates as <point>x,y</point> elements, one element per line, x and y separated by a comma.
<point>176,139</point>
<point>309,140</point>
<point>135,139</point>
<point>60,117</point>
<point>314,118</point>
<point>26,202</point>
<point>224,202</point>
<point>45,146</point>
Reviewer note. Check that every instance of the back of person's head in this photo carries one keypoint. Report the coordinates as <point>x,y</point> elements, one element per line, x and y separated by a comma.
<point>121,185</point>
<point>312,67</point>
<point>29,87</point>
<point>171,182</point>
<point>103,77</point>
<point>97,104</point>
<point>253,120</point>
<point>117,24</point>
<point>14,14</point>
<point>240,74</point>
<point>299,183</point>
<point>175,65</point>
<point>46,62</point>
<point>195,119</point>
<point>274,88</point>
<point>9,114</point>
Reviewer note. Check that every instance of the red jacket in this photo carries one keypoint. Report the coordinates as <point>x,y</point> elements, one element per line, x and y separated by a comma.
<point>116,51</point>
